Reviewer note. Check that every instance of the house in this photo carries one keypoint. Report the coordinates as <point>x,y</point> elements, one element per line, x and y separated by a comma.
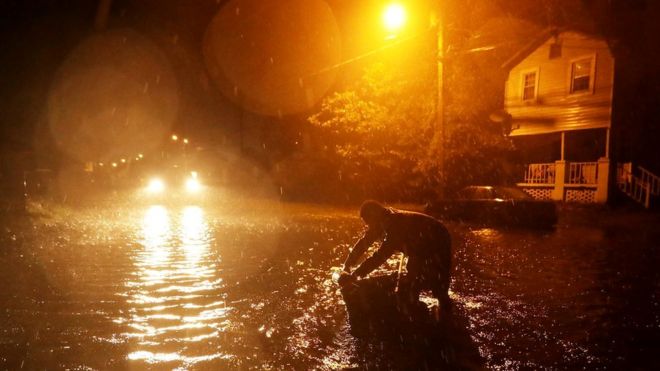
<point>558,99</point>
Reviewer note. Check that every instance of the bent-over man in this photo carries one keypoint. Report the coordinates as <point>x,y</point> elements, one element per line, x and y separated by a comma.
<point>422,238</point>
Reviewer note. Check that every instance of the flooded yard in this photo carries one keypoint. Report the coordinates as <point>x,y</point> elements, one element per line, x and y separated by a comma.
<point>219,287</point>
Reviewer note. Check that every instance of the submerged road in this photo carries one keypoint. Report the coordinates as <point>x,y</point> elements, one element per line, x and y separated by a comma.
<point>239,286</point>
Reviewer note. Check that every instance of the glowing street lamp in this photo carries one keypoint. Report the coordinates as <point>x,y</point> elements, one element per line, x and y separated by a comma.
<point>185,140</point>
<point>394,17</point>
<point>175,137</point>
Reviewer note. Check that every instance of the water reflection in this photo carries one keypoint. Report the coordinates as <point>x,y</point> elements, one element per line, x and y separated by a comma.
<point>175,295</point>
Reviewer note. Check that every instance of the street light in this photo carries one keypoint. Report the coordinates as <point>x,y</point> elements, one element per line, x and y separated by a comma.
<point>175,137</point>
<point>394,17</point>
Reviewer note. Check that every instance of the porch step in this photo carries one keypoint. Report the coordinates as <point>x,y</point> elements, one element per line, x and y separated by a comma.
<point>642,186</point>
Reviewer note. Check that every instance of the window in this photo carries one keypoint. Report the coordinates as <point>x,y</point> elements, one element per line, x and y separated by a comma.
<point>581,71</point>
<point>529,85</point>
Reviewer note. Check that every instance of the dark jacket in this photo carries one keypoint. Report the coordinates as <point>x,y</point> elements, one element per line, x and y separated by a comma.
<point>424,239</point>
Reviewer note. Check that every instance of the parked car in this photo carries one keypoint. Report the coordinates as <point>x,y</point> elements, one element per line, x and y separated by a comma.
<point>495,205</point>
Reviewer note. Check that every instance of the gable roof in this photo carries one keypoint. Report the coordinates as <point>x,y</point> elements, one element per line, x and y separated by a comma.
<point>539,40</point>
<point>526,50</point>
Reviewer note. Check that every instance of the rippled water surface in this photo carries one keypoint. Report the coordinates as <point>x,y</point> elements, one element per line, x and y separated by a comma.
<point>212,287</point>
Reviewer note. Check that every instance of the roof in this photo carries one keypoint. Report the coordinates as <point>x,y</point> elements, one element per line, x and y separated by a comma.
<point>539,40</point>
<point>530,47</point>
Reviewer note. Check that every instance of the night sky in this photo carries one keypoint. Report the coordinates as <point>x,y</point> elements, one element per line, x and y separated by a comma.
<point>39,37</point>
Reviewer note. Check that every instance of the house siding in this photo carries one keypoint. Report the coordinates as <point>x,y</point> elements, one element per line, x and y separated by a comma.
<point>555,108</point>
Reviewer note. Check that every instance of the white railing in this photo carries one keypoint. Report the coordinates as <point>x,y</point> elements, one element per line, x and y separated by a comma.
<point>582,173</point>
<point>639,188</point>
<point>624,177</point>
<point>540,173</point>
<point>650,179</point>
<point>640,191</point>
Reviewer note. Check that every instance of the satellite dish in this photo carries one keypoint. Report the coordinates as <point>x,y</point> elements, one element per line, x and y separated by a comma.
<point>500,117</point>
<point>503,119</point>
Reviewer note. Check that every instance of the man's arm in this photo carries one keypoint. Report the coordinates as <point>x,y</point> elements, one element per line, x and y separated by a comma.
<point>379,257</point>
<point>360,247</point>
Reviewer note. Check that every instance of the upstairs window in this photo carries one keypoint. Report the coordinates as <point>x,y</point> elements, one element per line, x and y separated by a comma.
<point>581,75</point>
<point>529,82</point>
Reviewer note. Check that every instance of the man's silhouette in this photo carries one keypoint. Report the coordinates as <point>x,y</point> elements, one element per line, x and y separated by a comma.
<point>422,238</point>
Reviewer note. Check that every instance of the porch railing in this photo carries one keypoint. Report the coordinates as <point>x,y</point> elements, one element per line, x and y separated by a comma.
<point>540,173</point>
<point>651,180</point>
<point>570,181</point>
<point>582,173</point>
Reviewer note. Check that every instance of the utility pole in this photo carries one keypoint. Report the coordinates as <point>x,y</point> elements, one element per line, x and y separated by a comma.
<point>439,127</point>
<point>102,12</point>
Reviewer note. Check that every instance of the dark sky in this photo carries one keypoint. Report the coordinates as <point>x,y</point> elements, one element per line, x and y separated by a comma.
<point>39,35</point>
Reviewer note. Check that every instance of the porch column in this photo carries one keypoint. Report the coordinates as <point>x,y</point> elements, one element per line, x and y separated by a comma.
<point>560,178</point>
<point>602,180</point>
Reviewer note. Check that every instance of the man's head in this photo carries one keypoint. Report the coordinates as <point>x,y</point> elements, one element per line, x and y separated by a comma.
<point>373,213</point>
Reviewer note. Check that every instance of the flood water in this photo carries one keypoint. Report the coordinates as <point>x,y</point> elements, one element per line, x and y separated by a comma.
<point>201,287</point>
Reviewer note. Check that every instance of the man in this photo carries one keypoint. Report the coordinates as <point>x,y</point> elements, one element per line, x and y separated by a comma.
<point>422,238</point>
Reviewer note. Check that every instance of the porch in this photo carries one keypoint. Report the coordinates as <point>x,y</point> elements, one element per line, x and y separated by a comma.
<point>567,181</point>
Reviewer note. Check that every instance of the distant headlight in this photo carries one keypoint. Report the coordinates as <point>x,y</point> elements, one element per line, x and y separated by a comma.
<point>193,185</point>
<point>156,186</point>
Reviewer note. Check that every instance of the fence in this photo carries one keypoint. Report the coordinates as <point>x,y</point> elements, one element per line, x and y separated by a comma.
<point>540,174</point>
<point>582,173</point>
<point>568,181</point>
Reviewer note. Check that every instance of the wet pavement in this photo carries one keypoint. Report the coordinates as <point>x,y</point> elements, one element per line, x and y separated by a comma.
<point>228,286</point>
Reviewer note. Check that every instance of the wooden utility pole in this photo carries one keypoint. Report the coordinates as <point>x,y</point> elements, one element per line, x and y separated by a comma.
<point>102,13</point>
<point>439,127</point>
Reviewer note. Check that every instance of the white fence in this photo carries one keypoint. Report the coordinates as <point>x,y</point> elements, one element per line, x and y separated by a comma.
<point>582,173</point>
<point>540,174</point>
<point>639,188</point>
<point>568,181</point>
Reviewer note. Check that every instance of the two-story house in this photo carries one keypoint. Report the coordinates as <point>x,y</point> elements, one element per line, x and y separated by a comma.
<point>558,97</point>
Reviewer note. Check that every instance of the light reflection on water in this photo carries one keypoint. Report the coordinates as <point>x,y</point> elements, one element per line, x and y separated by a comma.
<point>202,289</point>
<point>175,293</point>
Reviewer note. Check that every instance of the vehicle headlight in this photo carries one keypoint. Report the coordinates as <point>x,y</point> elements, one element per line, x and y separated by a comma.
<point>156,185</point>
<point>193,185</point>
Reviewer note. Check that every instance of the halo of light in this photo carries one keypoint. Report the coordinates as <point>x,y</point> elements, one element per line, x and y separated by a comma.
<point>115,93</point>
<point>272,57</point>
<point>156,185</point>
<point>394,17</point>
<point>193,185</point>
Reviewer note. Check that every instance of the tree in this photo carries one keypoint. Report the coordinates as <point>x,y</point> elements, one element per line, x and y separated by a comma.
<point>379,129</point>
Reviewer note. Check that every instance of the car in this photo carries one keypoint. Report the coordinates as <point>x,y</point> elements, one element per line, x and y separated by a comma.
<point>495,205</point>
<point>171,185</point>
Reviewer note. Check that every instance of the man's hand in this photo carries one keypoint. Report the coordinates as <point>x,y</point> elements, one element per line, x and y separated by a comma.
<point>346,279</point>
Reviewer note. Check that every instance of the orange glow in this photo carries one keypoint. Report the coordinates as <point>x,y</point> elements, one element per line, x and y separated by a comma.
<point>156,186</point>
<point>175,137</point>
<point>175,269</point>
<point>185,140</point>
<point>192,185</point>
<point>394,17</point>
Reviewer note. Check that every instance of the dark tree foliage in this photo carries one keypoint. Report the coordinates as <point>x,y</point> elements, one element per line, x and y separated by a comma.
<point>378,131</point>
